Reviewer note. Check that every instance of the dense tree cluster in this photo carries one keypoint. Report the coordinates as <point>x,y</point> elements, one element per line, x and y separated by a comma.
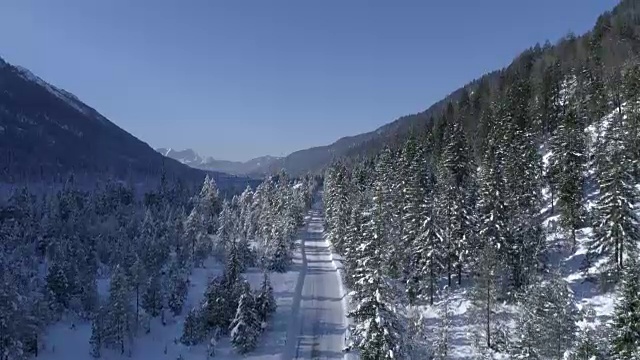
<point>448,206</point>
<point>55,249</point>
<point>257,227</point>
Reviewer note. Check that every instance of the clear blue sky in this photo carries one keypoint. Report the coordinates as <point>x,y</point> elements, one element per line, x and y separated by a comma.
<point>236,79</point>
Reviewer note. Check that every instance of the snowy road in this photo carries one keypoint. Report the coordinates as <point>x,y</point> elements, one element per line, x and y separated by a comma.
<point>317,328</point>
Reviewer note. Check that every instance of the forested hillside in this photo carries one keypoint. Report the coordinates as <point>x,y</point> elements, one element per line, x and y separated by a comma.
<point>506,226</point>
<point>597,55</point>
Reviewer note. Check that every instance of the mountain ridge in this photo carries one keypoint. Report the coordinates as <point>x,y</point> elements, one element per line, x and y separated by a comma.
<point>256,167</point>
<point>48,134</point>
<point>569,51</point>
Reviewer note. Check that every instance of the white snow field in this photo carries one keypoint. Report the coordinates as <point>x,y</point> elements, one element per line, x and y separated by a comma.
<point>308,323</point>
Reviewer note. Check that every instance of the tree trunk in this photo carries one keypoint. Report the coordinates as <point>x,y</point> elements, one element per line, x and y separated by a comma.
<point>431,276</point>
<point>449,270</point>
<point>488,316</point>
<point>617,253</point>
<point>137,306</point>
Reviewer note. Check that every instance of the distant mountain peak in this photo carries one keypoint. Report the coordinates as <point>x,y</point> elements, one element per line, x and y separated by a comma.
<point>257,167</point>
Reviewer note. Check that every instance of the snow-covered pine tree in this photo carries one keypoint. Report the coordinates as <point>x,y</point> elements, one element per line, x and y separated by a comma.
<point>97,333</point>
<point>491,231</point>
<point>58,286</point>
<point>521,168</point>
<point>412,167</point>
<point>245,327</point>
<point>356,232</point>
<point>548,105</point>
<point>194,330</point>
<point>181,240</point>
<point>118,312</point>
<point>631,93</point>
<point>455,184</point>
<point>616,228</point>
<point>378,332</point>
<point>524,240</point>
<point>389,211</point>
<point>336,205</point>
<point>225,229</point>
<point>590,344</point>
<point>220,302</point>
<point>428,251</point>
<point>625,343</point>
<point>547,327</point>
<point>246,225</point>
<point>265,301</point>
<point>153,297</point>
<point>138,279</point>
<point>209,204</point>
<point>484,299</point>
<point>203,220</point>
<point>566,165</point>
<point>177,288</point>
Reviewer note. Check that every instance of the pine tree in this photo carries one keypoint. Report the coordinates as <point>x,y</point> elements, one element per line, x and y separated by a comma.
<point>428,250</point>
<point>412,163</point>
<point>354,237</point>
<point>153,297</point>
<point>524,236</point>
<point>589,345</point>
<point>58,285</point>
<point>378,332</point>
<point>568,147</point>
<point>631,88</point>
<point>225,228</point>
<point>265,301</point>
<point>626,320</point>
<point>177,289</point>
<point>550,93</point>
<point>96,334</point>
<point>616,228</point>
<point>220,302</point>
<point>484,299</point>
<point>118,312</point>
<point>138,279</point>
<point>547,324</point>
<point>455,184</point>
<point>245,328</point>
<point>193,331</point>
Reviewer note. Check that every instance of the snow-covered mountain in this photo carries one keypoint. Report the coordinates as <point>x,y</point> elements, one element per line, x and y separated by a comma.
<point>254,167</point>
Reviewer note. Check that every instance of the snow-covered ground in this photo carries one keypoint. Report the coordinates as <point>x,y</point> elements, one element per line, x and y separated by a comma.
<point>308,323</point>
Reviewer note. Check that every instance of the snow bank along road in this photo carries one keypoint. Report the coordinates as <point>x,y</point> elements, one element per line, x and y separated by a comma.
<point>317,327</point>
